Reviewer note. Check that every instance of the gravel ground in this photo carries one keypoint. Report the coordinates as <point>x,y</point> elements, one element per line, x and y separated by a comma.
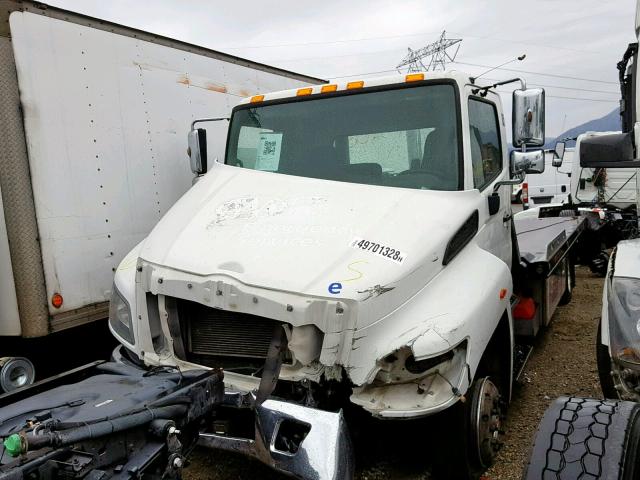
<point>563,363</point>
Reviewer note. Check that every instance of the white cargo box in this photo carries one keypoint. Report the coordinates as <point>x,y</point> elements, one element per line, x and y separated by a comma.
<point>106,114</point>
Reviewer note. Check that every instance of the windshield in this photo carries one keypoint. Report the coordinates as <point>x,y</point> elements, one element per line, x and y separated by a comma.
<point>404,137</point>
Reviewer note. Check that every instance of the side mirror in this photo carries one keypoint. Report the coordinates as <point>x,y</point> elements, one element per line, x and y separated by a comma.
<point>527,162</point>
<point>493,203</point>
<point>198,150</point>
<point>558,154</point>
<point>528,117</point>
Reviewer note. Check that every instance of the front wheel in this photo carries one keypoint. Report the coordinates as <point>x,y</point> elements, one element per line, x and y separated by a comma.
<point>470,433</point>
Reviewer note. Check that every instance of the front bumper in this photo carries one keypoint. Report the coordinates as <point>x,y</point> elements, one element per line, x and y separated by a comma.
<point>307,443</point>
<point>324,452</point>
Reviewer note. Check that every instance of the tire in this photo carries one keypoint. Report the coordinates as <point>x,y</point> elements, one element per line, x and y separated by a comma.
<point>600,264</point>
<point>568,289</point>
<point>456,453</point>
<point>519,197</point>
<point>587,439</point>
<point>603,360</point>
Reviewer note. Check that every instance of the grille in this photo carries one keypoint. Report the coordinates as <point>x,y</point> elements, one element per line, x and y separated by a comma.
<point>220,333</point>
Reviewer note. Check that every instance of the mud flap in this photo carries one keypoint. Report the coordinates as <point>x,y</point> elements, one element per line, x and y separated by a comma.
<point>305,442</point>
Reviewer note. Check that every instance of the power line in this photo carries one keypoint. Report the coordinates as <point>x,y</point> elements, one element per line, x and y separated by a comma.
<point>529,44</point>
<point>571,98</point>
<point>364,73</point>
<point>330,42</point>
<point>560,87</point>
<point>486,66</point>
<point>538,73</point>
<point>501,91</point>
<point>583,99</point>
<point>419,34</point>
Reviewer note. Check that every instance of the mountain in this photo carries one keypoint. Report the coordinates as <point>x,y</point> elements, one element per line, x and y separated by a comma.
<point>610,122</point>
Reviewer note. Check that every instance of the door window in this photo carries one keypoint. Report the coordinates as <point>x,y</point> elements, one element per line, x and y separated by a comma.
<point>486,151</point>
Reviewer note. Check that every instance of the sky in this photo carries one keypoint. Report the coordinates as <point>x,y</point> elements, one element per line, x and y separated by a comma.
<point>571,46</point>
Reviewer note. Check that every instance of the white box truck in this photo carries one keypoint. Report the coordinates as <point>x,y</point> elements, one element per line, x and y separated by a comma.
<point>553,185</point>
<point>93,121</point>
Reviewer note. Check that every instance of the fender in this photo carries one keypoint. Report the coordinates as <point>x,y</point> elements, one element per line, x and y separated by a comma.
<point>465,301</point>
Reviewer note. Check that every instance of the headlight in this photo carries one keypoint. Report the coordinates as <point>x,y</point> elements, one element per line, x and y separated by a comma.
<point>624,320</point>
<point>120,316</point>
<point>402,367</point>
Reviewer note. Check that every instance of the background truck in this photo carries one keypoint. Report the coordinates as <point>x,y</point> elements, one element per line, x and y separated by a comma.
<point>355,249</point>
<point>93,117</point>
<point>604,196</point>
<point>552,186</point>
<point>587,438</point>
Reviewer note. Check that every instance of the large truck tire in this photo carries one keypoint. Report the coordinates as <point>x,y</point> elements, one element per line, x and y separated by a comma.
<point>587,439</point>
<point>603,360</point>
<point>468,434</point>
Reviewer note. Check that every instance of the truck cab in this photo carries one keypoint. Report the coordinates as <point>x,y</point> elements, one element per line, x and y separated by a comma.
<point>367,227</point>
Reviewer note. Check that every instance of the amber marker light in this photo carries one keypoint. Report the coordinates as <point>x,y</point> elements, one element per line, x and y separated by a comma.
<point>354,85</point>
<point>56,300</point>
<point>257,98</point>
<point>414,77</point>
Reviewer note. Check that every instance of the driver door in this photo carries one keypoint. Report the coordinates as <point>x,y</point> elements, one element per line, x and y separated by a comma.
<point>488,167</point>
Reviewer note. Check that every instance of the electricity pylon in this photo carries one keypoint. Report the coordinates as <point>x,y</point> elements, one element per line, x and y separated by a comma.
<point>436,52</point>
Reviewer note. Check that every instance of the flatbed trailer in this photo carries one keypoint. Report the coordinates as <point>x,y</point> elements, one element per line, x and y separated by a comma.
<point>547,263</point>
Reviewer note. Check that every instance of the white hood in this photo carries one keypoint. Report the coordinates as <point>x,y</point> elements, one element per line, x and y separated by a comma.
<point>295,234</point>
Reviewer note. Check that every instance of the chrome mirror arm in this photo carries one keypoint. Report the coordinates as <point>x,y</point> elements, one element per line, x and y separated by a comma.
<point>514,181</point>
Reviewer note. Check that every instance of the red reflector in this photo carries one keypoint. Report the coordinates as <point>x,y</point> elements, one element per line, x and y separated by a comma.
<point>503,293</point>
<point>56,300</point>
<point>525,309</point>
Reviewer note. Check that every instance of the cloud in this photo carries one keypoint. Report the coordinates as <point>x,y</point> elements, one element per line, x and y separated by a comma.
<point>571,38</point>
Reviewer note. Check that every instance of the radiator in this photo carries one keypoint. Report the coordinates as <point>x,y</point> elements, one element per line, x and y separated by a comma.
<point>221,333</point>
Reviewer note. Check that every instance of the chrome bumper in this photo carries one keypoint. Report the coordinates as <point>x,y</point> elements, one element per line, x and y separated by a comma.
<point>304,442</point>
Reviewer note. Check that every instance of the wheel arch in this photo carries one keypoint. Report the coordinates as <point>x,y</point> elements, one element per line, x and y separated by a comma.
<point>499,352</point>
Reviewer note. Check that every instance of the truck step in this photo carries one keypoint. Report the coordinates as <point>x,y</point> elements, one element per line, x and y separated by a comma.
<point>521,354</point>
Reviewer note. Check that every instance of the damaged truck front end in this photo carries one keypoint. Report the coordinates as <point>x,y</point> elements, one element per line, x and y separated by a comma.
<point>325,265</point>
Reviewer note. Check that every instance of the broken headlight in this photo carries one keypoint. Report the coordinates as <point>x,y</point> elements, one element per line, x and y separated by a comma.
<point>624,321</point>
<point>401,366</point>
<point>120,317</point>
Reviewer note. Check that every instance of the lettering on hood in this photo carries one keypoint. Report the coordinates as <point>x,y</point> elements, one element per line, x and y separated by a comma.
<point>379,249</point>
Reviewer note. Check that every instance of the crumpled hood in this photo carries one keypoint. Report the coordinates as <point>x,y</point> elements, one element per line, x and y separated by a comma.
<point>304,235</point>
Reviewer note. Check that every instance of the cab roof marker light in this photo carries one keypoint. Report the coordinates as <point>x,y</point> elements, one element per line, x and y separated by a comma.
<point>304,91</point>
<point>257,98</point>
<point>329,88</point>
<point>354,85</point>
<point>414,77</point>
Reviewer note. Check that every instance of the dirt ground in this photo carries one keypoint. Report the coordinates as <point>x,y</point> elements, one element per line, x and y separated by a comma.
<point>563,363</point>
